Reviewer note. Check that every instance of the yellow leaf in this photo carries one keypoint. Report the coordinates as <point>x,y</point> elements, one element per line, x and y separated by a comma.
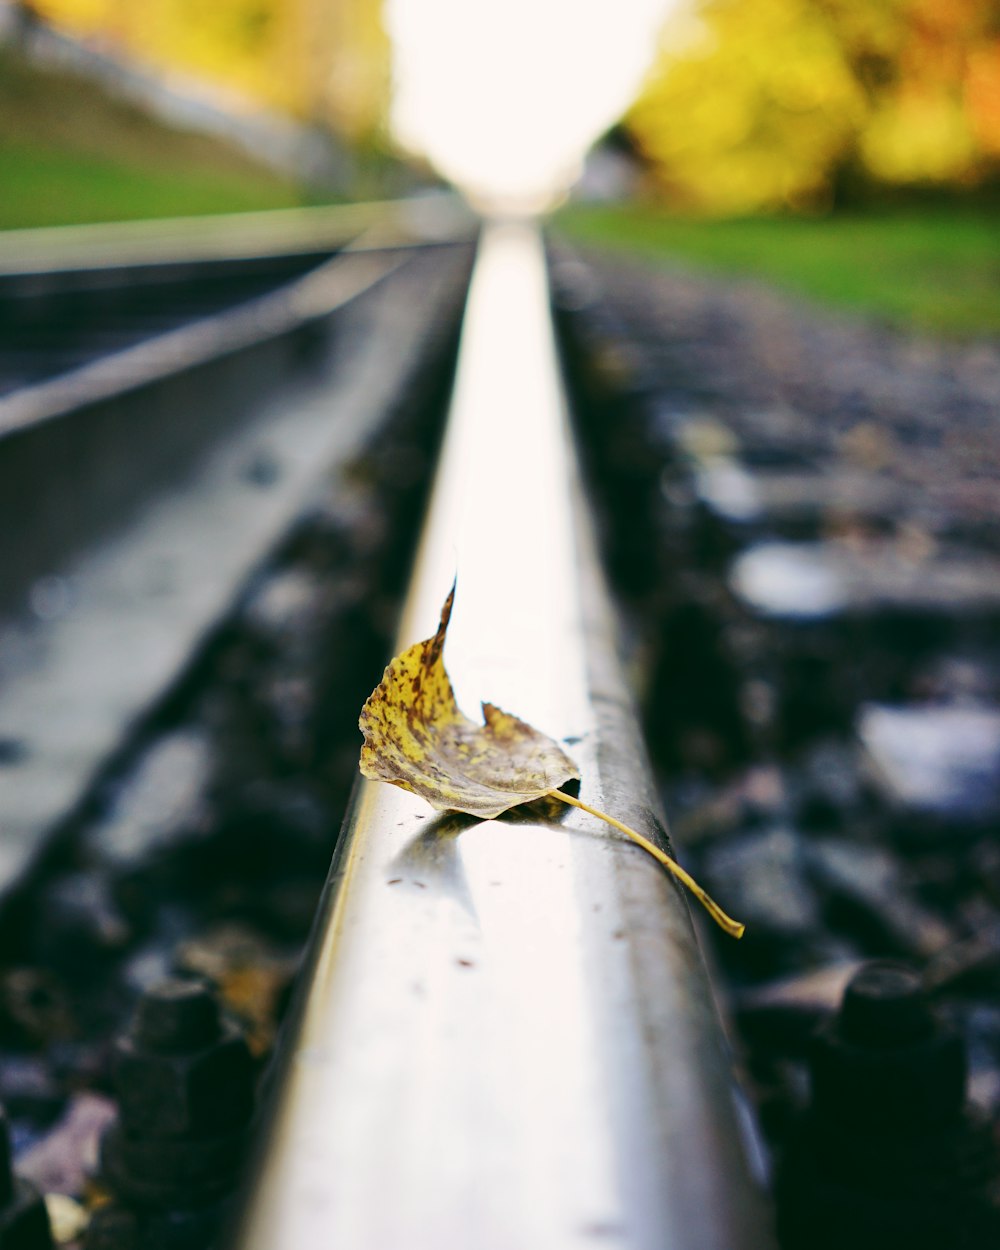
<point>417,738</point>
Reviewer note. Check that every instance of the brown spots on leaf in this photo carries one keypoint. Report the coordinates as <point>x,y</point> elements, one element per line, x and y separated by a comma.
<point>426,745</point>
<point>417,738</point>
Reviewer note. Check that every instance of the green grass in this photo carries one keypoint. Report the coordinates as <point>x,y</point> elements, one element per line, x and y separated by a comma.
<point>53,188</point>
<point>938,270</point>
<point>69,153</point>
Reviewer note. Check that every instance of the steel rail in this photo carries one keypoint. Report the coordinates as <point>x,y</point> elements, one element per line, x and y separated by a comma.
<point>131,524</point>
<point>233,236</point>
<point>79,450</point>
<point>368,255</point>
<point>266,317</point>
<point>506,1038</point>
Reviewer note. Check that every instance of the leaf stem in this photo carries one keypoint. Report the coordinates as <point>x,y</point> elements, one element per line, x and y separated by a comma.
<point>732,927</point>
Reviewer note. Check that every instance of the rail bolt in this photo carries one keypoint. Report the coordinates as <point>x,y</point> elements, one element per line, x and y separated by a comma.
<point>887,1061</point>
<point>182,1071</point>
<point>888,1153</point>
<point>184,1079</point>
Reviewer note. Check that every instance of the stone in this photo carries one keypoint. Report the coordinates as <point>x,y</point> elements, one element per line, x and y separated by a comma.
<point>66,1157</point>
<point>783,1014</point>
<point>29,1088</point>
<point>68,1218</point>
<point>828,787</point>
<point>253,977</point>
<point>815,581</point>
<point>790,580</point>
<point>866,883</point>
<point>762,878</point>
<point>162,801</point>
<point>284,601</point>
<point>79,921</point>
<point>941,761</point>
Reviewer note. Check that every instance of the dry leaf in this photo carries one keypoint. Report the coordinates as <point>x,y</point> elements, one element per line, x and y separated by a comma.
<point>417,738</point>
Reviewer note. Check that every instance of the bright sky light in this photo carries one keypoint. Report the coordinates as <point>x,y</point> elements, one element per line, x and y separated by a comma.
<point>504,97</point>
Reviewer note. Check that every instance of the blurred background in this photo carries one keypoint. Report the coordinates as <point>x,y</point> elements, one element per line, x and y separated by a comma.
<point>775,274</point>
<point>869,132</point>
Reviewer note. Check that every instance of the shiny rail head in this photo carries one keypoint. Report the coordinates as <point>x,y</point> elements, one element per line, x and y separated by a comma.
<point>507,1037</point>
<point>433,218</point>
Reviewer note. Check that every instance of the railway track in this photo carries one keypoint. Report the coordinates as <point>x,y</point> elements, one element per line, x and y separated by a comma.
<point>507,1036</point>
<point>157,497</point>
<point>244,528</point>
<point>217,426</point>
<point>501,1034</point>
<point>804,544</point>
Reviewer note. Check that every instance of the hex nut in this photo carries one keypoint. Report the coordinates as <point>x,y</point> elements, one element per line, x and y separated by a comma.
<point>166,1173</point>
<point>887,1062</point>
<point>201,1094</point>
<point>178,1014</point>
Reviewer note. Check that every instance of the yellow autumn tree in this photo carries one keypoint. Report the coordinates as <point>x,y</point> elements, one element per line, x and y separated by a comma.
<point>324,61</point>
<point>929,124</point>
<point>763,104</point>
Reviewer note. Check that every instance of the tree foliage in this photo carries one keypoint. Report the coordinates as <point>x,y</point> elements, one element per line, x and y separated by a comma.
<point>782,103</point>
<point>324,61</point>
